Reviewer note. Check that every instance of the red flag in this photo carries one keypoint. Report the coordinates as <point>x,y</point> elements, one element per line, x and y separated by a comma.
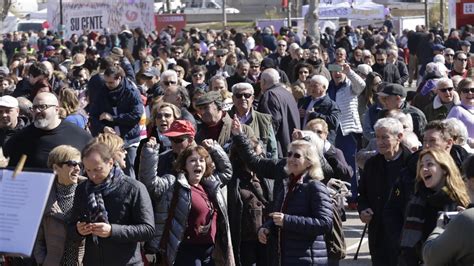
<point>284,3</point>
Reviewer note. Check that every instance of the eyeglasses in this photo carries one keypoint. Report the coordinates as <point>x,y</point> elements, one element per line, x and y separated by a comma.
<point>294,155</point>
<point>41,107</point>
<point>177,140</point>
<point>196,75</point>
<point>245,95</point>
<point>71,163</point>
<point>165,115</point>
<point>449,54</point>
<point>167,83</point>
<point>446,89</point>
<point>462,59</point>
<point>467,90</point>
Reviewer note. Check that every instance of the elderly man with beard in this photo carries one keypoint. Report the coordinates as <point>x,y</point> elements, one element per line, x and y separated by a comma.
<point>47,132</point>
<point>261,124</point>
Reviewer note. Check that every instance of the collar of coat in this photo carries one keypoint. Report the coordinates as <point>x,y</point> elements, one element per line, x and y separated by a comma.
<point>437,101</point>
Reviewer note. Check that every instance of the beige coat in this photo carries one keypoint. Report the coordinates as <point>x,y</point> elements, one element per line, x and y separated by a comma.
<point>52,234</point>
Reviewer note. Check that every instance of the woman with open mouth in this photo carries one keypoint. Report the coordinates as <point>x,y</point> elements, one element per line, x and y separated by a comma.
<point>438,188</point>
<point>190,210</point>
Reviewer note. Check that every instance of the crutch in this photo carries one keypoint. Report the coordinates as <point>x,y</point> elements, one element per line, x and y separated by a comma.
<point>360,242</point>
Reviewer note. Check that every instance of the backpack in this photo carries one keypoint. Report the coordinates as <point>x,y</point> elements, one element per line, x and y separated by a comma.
<point>335,241</point>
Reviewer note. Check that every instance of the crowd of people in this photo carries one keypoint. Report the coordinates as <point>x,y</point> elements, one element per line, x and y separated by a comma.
<point>219,148</point>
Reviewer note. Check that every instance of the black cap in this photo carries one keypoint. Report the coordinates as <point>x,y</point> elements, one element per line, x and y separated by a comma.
<point>393,89</point>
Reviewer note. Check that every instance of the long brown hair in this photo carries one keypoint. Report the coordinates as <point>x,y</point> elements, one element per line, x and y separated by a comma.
<point>457,190</point>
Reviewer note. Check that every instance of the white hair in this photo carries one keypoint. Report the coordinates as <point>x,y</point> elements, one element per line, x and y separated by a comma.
<point>444,81</point>
<point>270,75</point>
<point>411,141</point>
<point>394,126</point>
<point>242,86</point>
<point>457,130</point>
<point>169,73</point>
<point>321,80</point>
<point>404,118</point>
<point>439,59</point>
<point>311,154</point>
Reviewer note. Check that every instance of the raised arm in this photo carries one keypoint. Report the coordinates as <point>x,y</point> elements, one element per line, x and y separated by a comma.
<point>223,166</point>
<point>155,184</point>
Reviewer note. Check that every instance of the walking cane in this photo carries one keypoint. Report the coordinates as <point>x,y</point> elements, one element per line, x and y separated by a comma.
<point>360,242</point>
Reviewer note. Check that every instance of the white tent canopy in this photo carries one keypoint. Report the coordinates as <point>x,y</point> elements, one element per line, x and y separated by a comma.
<point>366,10</point>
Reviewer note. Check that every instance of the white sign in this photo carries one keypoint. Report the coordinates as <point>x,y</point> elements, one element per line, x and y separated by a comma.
<point>468,8</point>
<point>22,202</point>
<point>98,15</point>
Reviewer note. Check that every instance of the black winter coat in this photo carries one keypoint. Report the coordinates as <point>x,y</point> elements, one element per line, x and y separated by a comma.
<point>279,102</point>
<point>130,214</point>
<point>308,216</point>
<point>326,109</point>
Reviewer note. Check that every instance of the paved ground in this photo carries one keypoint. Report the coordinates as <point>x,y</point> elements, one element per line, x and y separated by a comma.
<point>353,228</point>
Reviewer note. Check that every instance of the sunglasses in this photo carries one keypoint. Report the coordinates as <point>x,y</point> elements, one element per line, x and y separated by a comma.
<point>165,115</point>
<point>449,54</point>
<point>462,59</point>
<point>221,55</point>
<point>245,95</point>
<point>167,83</point>
<point>177,140</point>
<point>467,90</point>
<point>196,75</point>
<point>304,72</point>
<point>70,163</point>
<point>294,155</point>
<point>446,89</point>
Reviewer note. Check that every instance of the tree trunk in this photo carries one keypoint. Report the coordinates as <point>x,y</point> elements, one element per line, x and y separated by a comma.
<point>311,20</point>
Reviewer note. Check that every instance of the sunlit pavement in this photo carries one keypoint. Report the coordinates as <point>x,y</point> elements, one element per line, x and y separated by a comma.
<point>353,228</point>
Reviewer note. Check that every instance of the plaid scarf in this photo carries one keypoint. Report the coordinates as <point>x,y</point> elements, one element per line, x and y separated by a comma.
<point>412,232</point>
<point>95,193</point>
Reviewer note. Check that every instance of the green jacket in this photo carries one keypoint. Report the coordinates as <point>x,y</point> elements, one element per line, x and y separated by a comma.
<point>261,125</point>
<point>437,110</point>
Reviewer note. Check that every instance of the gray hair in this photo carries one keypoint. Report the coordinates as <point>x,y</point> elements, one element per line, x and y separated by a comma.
<point>184,94</point>
<point>242,86</point>
<point>218,77</point>
<point>394,126</point>
<point>270,75</point>
<point>457,130</point>
<point>411,141</point>
<point>392,52</point>
<point>444,81</point>
<point>439,59</point>
<point>321,80</point>
<point>404,118</point>
<point>243,62</point>
<point>169,73</point>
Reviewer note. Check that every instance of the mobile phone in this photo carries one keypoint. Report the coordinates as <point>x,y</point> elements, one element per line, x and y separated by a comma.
<point>335,68</point>
<point>85,219</point>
